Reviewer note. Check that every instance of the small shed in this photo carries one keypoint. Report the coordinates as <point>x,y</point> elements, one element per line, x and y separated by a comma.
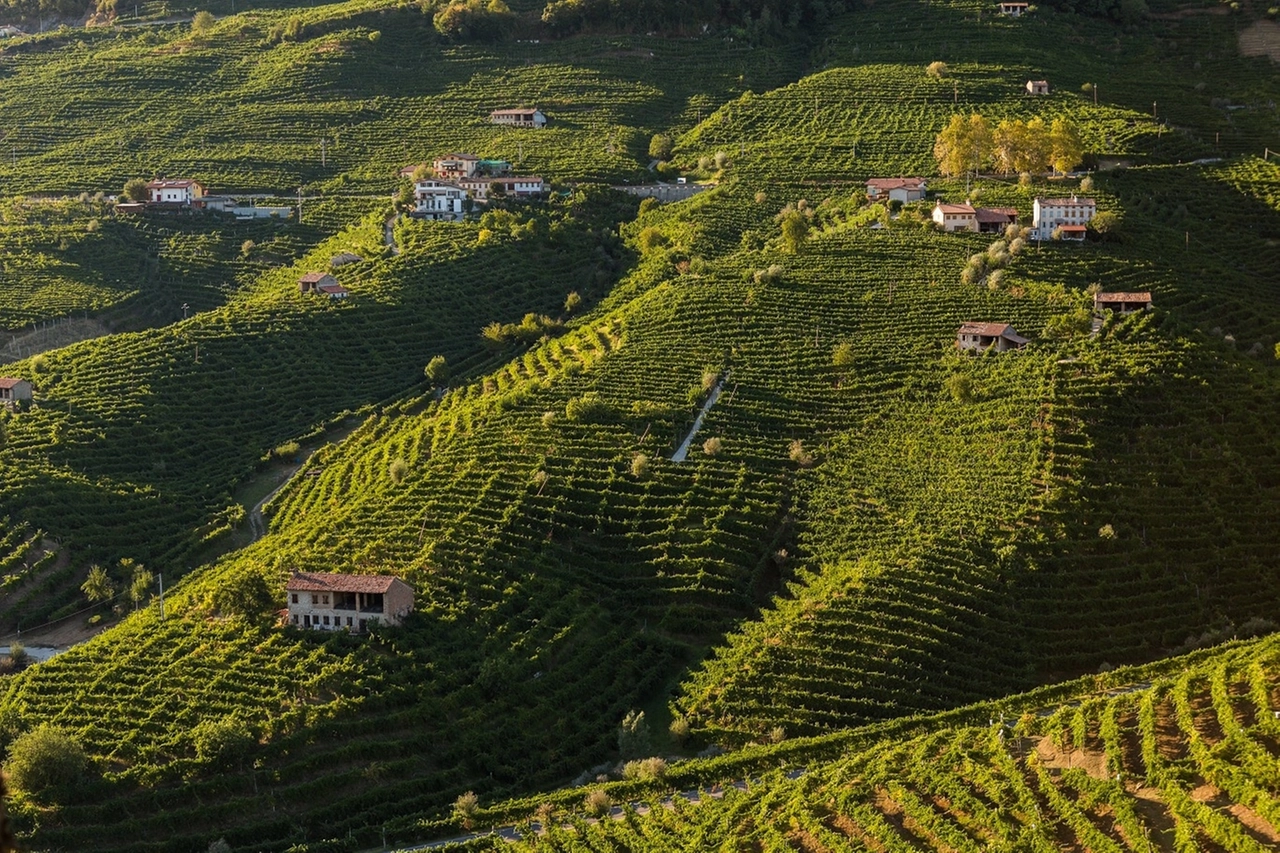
<point>313,281</point>
<point>995,219</point>
<point>14,391</point>
<point>333,291</point>
<point>1013,10</point>
<point>1037,87</point>
<point>1122,303</point>
<point>978,337</point>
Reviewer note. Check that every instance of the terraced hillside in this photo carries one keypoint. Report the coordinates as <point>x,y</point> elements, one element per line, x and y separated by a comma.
<point>1187,762</point>
<point>868,526</point>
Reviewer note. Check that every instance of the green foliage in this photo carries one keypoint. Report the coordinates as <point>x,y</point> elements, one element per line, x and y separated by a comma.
<point>202,22</point>
<point>245,594</point>
<point>223,743</point>
<point>473,20</point>
<point>1061,326</point>
<point>98,586</point>
<point>46,763</point>
<point>634,740</point>
<point>437,370</point>
<point>660,146</point>
<point>135,189</point>
<point>795,230</point>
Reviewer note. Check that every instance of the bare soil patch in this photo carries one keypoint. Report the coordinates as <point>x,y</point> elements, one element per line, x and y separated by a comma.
<point>1261,38</point>
<point>1090,761</point>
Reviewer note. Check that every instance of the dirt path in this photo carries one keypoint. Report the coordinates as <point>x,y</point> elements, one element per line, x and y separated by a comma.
<point>389,233</point>
<point>683,451</point>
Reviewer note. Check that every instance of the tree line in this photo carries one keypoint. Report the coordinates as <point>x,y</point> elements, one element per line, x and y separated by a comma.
<point>968,144</point>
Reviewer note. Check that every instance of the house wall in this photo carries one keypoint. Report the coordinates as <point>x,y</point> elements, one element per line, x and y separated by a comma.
<point>954,221</point>
<point>318,607</point>
<point>1047,217</point>
<point>20,391</point>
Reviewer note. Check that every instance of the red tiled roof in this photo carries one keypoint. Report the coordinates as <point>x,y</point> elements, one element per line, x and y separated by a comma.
<point>956,208</point>
<point>1073,229</point>
<point>886,184</point>
<point>163,184</point>
<point>1138,296</point>
<point>332,288</point>
<point>317,582</point>
<point>407,171</point>
<point>992,330</point>
<point>9,382</point>
<point>313,277</point>
<point>996,214</point>
<point>516,111</point>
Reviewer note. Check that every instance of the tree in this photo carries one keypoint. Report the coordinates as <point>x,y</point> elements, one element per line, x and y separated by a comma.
<point>46,760</point>
<point>960,387</point>
<point>139,580</point>
<point>1106,224</point>
<point>660,147</point>
<point>437,370</point>
<point>963,145</point>
<point>572,302</point>
<point>936,69</point>
<point>843,359</point>
<point>465,808</point>
<point>398,471</point>
<point>223,742</point>
<point>202,22</point>
<point>795,230</point>
<point>633,736</point>
<point>1065,145</point>
<point>98,586</point>
<point>135,189</point>
<point>245,594</point>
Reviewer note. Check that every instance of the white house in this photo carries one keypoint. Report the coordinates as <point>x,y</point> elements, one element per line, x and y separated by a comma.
<point>524,117</point>
<point>338,602</point>
<point>14,391</point>
<point>955,217</point>
<point>977,337</point>
<point>1037,87</point>
<point>511,187</point>
<point>184,192</point>
<point>10,31</point>
<point>1013,10</point>
<point>439,200</point>
<point>1072,215</point>
<point>896,189</point>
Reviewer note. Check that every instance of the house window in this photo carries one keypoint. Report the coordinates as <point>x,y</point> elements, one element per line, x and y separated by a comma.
<point>315,599</point>
<point>295,618</point>
<point>306,621</point>
<point>326,620</point>
<point>326,599</point>
<point>295,598</point>
<point>348,621</point>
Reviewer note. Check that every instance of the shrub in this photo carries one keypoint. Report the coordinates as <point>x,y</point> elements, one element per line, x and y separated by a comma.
<point>651,238</point>
<point>772,273</point>
<point>437,370</point>
<point>961,388</point>
<point>1106,531</point>
<point>1086,184</point>
<point>936,69</point>
<point>633,735</point>
<point>799,455</point>
<point>640,466</point>
<point>465,808</point>
<point>288,450</point>
<point>572,301</point>
<point>587,408</point>
<point>224,742</point>
<point>713,446</point>
<point>202,22</point>
<point>645,769</point>
<point>46,761</point>
<point>679,729</point>
<point>660,146</point>
<point>596,803</point>
<point>135,189</point>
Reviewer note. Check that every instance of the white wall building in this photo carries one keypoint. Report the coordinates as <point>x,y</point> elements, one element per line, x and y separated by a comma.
<point>175,192</point>
<point>524,117</point>
<point>896,189</point>
<point>1072,214</point>
<point>338,602</point>
<point>955,217</point>
<point>439,200</point>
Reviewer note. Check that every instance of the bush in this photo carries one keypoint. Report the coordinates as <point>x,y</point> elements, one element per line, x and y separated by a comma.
<point>465,808</point>
<point>937,70</point>
<point>651,238</point>
<point>202,22</point>
<point>135,189</point>
<point>223,743</point>
<point>437,370</point>
<point>288,450</point>
<point>46,761</point>
<point>660,147</point>
<point>640,468</point>
<point>713,446</point>
<point>587,408</point>
<point>799,455</point>
<point>961,388</point>
<point>645,769</point>
<point>399,470</point>
<point>596,803</point>
<point>633,735</point>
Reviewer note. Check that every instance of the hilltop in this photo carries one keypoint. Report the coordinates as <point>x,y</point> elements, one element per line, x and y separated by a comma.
<point>869,526</point>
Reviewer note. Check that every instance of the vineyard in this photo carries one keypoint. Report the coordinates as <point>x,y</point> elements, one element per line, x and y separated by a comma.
<point>1187,762</point>
<point>871,534</point>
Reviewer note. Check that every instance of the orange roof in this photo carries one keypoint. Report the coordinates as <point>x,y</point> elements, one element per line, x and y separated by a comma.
<point>964,209</point>
<point>996,214</point>
<point>313,277</point>
<point>163,184</point>
<point>895,183</point>
<point>1073,229</point>
<point>9,382</point>
<point>318,582</point>
<point>458,157</point>
<point>332,288</point>
<point>992,330</point>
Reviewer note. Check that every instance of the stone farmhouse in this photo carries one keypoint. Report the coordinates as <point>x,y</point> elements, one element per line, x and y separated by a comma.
<point>1069,216</point>
<point>979,337</point>
<point>322,284</point>
<point>339,602</point>
<point>1122,303</point>
<point>966,217</point>
<point>1037,87</point>
<point>523,117</point>
<point>1013,10</point>
<point>896,189</point>
<point>14,392</point>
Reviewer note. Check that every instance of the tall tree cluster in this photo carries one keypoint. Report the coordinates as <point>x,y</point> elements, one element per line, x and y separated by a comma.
<point>968,144</point>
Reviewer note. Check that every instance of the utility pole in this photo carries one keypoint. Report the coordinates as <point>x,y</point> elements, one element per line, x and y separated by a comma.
<point>299,205</point>
<point>161,579</point>
<point>1095,94</point>
<point>185,306</point>
<point>1153,109</point>
<point>322,152</point>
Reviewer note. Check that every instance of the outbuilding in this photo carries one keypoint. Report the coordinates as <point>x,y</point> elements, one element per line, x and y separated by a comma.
<point>978,337</point>
<point>14,391</point>
<point>1122,303</point>
<point>1013,10</point>
<point>896,189</point>
<point>313,281</point>
<point>522,117</point>
<point>1037,87</point>
<point>341,602</point>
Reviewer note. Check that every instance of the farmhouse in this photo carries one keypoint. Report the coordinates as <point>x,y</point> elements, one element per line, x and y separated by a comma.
<point>995,219</point>
<point>1013,10</point>
<point>955,217</point>
<point>1037,87</point>
<point>978,337</point>
<point>313,281</point>
<point>512,187</point>
<point>439,200</point>
<point>333,291</point>
<point>1123,303</point>
<point>1048,214</point>
<point>184,193</point>
<point>456,165</point>
<point>14,391</point>
<point>896,189</point>
<point>523,117</point>
<point>338,602</point>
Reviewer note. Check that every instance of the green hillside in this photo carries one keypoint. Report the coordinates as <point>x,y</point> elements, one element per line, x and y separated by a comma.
<point>868,526</point>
